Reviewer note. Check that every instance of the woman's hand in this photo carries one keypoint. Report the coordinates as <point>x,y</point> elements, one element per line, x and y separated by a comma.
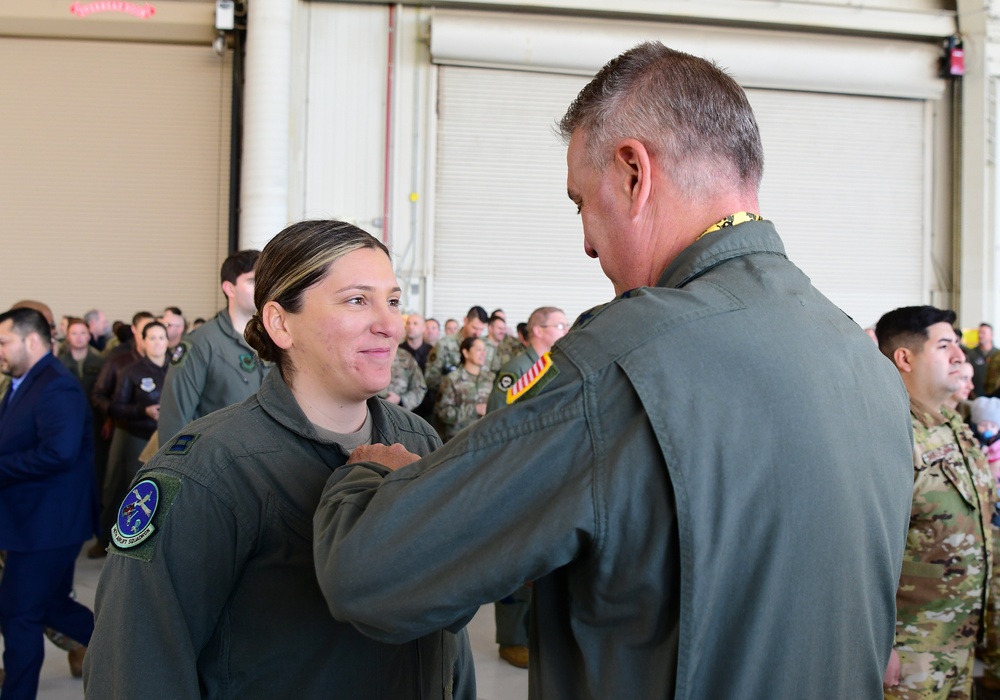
<point>153,411</point>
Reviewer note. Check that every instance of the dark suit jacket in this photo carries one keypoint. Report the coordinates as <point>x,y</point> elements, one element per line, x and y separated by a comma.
<point>48,494</point>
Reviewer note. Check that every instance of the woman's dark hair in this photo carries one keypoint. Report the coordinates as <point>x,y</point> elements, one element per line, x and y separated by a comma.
<point>466,346</point>
<point>152,324</point>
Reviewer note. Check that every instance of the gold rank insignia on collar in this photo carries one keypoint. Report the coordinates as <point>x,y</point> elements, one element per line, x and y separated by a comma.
<point>540,374</point>
<point>740,217</point>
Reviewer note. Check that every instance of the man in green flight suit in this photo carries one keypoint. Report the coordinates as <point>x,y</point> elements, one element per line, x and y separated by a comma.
<point>546,325</point>
<point>703,514</point>
<point>214,367</point>
<point>941,600</point>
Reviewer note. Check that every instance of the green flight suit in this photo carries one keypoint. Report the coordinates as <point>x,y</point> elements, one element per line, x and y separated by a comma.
<point>711,494</point>
<point>511,613</point>
<point>221,600</point>
<point>508,375</point>
<point>212,368</point>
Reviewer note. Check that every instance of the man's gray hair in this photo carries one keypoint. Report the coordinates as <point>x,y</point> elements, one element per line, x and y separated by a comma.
<point>685,110</point>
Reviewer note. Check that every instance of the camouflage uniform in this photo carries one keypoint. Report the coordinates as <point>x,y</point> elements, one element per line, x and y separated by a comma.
<point>443,360</point>
<point>991,643</point>
<point>497,355</point>
<point>407,381</point>
<point>460,392</point>
<point>942,592</point>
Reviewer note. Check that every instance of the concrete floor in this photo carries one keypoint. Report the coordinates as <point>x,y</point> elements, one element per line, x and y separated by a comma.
<point>496,680</point>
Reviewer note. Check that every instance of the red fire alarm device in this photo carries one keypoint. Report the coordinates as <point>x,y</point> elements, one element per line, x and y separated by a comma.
<point>953,60</point>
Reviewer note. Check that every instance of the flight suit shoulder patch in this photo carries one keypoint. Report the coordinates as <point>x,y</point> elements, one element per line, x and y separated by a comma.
<point>505,380</point>
<point>180,354</point>
<point>532,381</point>
<point>141,515</point>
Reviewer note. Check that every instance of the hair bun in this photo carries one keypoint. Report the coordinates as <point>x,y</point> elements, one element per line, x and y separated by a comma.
<point>258,339</point>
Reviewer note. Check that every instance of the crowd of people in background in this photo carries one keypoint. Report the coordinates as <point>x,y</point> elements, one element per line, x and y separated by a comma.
<point>673,537</point>
<point>125,369</point>
<point>452,380</point>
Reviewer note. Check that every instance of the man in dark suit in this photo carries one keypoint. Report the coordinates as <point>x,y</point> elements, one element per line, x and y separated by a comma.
<point>48,498</point>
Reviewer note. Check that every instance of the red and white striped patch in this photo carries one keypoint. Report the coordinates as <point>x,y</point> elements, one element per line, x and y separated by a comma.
<point>529,378</point>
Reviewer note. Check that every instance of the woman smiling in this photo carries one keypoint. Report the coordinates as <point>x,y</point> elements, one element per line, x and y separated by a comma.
<point>222,569</point>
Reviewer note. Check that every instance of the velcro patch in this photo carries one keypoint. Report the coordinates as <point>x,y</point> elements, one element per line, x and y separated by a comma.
<point>135,515</point>
<point>532,381</point>
<point>938,454</point>
<point>505,380</point>
<point>142,514</point>
<point>182,444</point>
<point>247,363</point>
<point>179,355</point>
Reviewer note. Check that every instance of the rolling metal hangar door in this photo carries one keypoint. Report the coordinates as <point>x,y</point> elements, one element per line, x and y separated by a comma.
<point>848,126</point>
<point>114,186</point>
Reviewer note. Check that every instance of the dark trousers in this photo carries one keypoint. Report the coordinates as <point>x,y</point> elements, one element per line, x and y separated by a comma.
<point>123,463</point>
<point>35,594</point>
<point>511,615</point>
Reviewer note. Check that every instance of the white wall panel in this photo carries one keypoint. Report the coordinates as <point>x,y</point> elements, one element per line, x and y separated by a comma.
<point>505,233</point>
<point>845,182</point>
<point>345,114</point>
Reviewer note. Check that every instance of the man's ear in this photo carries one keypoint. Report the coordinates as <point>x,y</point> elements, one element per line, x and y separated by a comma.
<point>903,357</point>
<point>33,342</point>
<point>633,170</point>
<point>275,320</point>
<point>229,289</point>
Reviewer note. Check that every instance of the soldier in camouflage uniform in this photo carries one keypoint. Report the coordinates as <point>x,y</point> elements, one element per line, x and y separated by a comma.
<point>988,686</point>
<point>446,357</point>
<point>500,348</point>
<point>942,595</point>
<point>407,386</point>
<point>462,399</point>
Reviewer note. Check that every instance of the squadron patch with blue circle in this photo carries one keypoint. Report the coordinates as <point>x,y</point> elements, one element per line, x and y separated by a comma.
<point>135,517</point>
<point>247,363</point>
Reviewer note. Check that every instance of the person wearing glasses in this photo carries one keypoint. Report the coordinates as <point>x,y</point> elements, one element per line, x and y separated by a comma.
<point>546,325</point>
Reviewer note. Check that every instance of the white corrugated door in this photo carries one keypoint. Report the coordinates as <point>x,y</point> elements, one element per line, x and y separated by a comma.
<point>505,233</point>
<point>845,182</point>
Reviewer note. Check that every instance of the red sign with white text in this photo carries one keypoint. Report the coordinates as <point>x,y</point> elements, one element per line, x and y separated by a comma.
<point>141,11</point>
